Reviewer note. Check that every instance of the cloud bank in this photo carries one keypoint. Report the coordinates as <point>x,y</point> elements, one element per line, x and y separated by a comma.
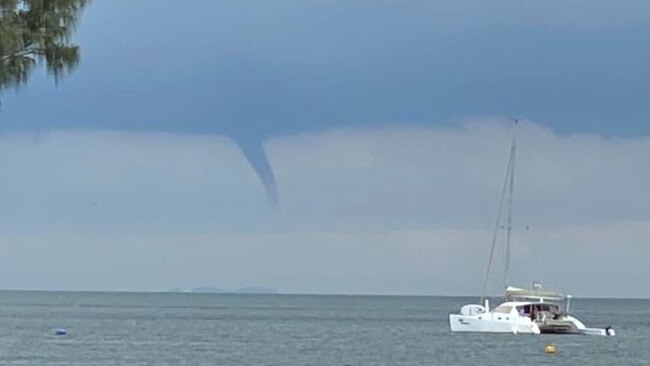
<point>394,210</point>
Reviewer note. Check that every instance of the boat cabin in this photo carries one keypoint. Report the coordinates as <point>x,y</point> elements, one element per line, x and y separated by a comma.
<point>534,310</point>
<point>540,311</point>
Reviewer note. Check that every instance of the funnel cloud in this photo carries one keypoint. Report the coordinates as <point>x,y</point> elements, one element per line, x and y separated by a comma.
<point>256,156</point>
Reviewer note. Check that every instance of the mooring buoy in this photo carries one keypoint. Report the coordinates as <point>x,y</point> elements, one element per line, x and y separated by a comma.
<point>549,348</point>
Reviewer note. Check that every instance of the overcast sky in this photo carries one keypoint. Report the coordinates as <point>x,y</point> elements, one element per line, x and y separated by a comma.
<point>383,126</point>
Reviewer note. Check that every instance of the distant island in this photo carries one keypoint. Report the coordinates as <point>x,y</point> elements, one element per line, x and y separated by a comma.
<point>216,290</point>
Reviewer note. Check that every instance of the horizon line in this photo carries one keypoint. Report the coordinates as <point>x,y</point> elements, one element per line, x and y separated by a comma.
<point>297,293</point>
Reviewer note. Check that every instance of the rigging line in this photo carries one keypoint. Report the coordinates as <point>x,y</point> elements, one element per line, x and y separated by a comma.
<point>496,230</point>
<point>507,177</point>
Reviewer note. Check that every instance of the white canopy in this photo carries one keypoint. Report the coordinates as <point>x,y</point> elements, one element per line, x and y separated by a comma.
<point>537,294</point>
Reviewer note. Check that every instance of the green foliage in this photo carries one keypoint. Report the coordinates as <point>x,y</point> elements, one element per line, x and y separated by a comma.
<point>37,31</point>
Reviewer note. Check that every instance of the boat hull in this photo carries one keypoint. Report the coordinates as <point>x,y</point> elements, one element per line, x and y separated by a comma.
<point>500,323</point>
<point>492,323</point>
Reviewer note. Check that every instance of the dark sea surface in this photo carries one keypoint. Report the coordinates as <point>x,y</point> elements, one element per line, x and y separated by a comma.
<point>221,329</point>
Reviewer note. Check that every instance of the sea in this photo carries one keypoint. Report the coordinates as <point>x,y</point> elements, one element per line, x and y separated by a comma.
<point>222,329</point>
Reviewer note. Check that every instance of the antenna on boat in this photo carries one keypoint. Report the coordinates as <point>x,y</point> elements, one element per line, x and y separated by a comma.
<point>508,182</point>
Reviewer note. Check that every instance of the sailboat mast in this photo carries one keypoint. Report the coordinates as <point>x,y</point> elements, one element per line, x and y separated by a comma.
<point>508,182</point>
<point>511,183</point>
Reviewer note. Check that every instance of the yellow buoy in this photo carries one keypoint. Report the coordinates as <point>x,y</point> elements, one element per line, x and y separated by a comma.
<point>549,348</point>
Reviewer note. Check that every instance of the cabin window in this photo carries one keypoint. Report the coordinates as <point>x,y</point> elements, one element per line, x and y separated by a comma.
<point>524,309</point>
<point>503,309</point>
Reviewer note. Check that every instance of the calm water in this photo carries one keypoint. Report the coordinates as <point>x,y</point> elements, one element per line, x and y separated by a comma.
<point>205,329</point>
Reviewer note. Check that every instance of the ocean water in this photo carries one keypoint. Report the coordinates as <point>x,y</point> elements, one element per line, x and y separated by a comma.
<point>218,329</point>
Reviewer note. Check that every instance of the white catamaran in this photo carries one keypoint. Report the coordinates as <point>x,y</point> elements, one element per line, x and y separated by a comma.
<point>532,311</point>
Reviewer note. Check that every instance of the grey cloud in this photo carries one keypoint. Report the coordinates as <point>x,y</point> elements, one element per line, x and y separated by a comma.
<point>395,210</point>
